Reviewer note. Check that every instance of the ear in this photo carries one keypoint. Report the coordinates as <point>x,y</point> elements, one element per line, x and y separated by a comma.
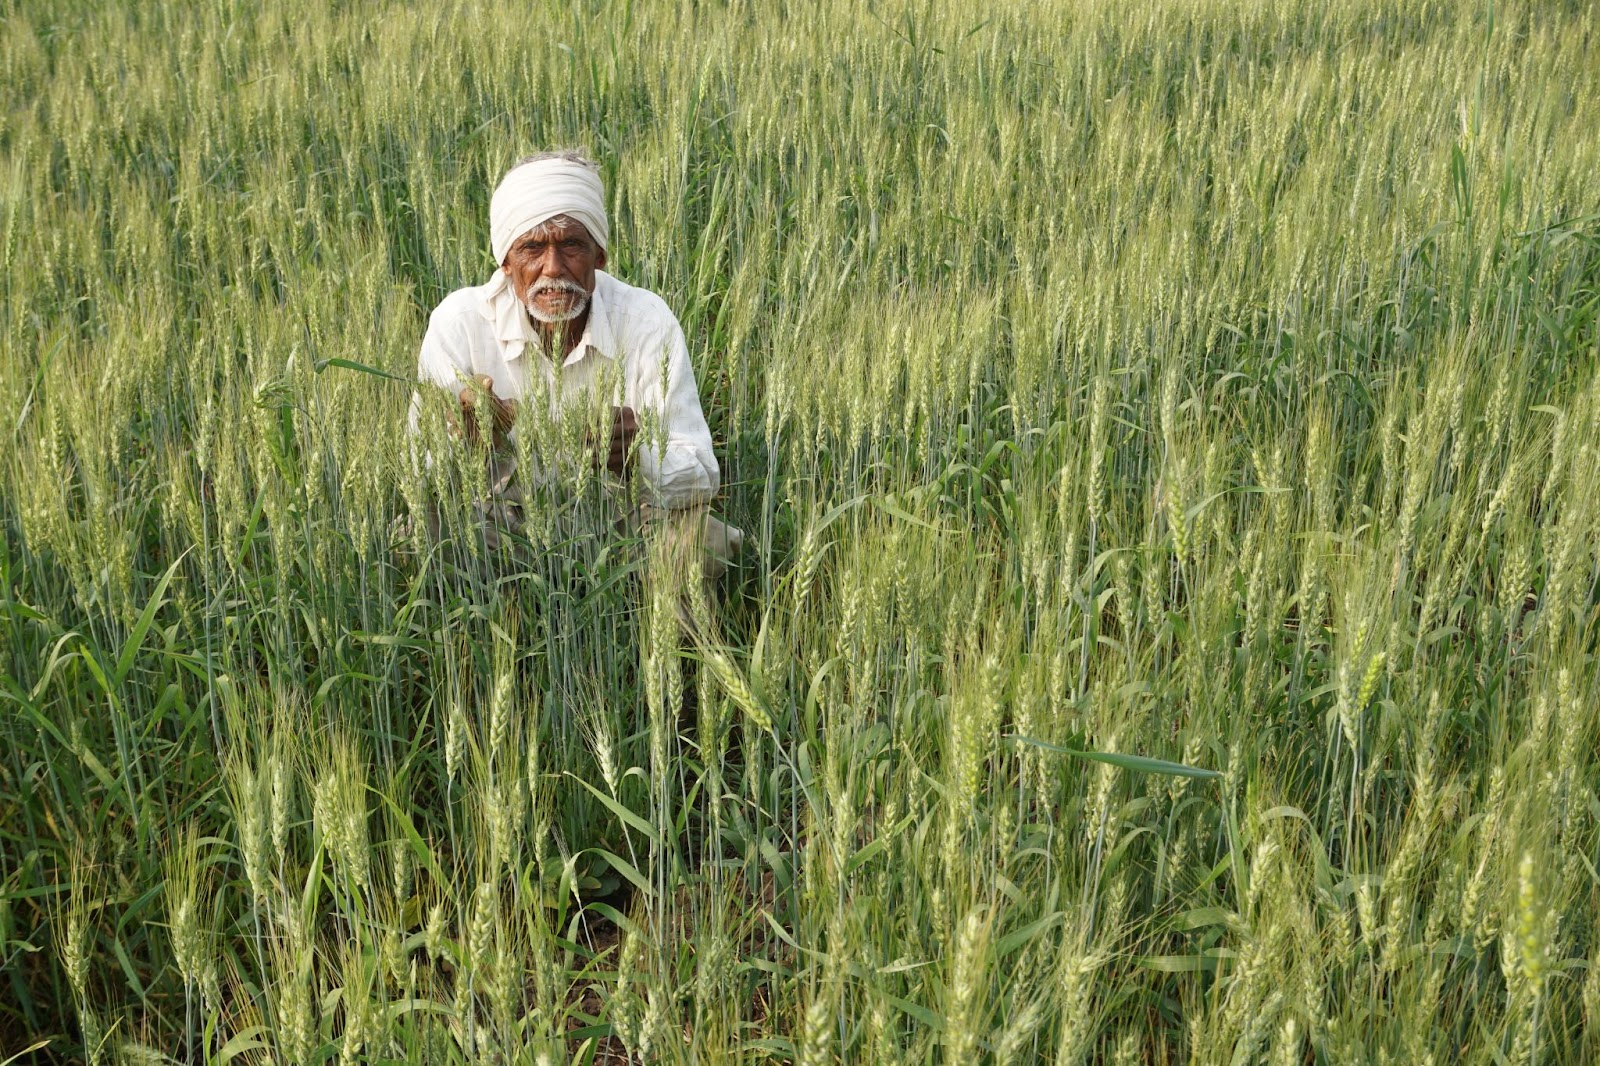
<point>600,259</point>
<point>505,266</point>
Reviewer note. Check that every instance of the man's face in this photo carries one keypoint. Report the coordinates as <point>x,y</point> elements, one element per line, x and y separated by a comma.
<point>552,269</point>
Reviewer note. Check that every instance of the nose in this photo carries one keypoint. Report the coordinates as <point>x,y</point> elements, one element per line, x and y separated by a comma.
<point>549,262</point>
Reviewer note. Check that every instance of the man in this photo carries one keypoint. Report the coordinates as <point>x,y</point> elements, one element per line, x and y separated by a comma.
<point>552,326</point>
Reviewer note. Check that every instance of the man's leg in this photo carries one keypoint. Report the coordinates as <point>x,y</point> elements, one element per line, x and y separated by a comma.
<point>497,514</point>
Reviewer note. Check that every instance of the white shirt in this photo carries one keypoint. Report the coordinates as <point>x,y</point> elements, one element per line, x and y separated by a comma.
<point>631,339</point>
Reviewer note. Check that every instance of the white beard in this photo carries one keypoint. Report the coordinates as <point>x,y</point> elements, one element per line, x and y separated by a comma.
<point>580,303</point>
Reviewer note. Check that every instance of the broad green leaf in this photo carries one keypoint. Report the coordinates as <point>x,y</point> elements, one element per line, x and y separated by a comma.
<point>351,364</point>
<point>130,647</point>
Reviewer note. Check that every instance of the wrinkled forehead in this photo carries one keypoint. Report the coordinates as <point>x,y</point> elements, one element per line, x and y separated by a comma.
<point>556,228</point>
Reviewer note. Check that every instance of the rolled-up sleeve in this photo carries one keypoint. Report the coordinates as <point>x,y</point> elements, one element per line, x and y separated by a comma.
<point>677,463</point>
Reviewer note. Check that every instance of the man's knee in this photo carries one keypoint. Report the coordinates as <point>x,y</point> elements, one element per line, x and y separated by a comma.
<point>693,536</point>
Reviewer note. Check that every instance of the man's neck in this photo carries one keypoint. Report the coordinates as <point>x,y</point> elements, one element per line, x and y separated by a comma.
<point>565,334</point>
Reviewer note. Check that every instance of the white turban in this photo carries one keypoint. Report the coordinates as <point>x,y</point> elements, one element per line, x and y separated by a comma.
<point>536,192</point>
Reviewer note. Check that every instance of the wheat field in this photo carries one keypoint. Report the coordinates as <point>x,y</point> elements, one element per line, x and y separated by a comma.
<point>1166,435</point>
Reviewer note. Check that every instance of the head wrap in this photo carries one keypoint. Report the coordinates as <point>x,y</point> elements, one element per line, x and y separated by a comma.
<point>534,193</point>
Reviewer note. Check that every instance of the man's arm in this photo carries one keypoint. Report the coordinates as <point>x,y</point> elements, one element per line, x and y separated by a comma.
<point>441,360</point>
<point>445,360</point>
<point>684,471</point>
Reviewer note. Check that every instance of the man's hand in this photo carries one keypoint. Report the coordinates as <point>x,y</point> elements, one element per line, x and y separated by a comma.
<point>624,427</point>
<point>503,412</point>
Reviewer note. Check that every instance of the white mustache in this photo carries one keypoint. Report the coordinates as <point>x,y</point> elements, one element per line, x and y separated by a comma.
<point>557,285</point>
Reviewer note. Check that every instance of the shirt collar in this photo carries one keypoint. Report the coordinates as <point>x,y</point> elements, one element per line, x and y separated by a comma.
<point>515,332</point>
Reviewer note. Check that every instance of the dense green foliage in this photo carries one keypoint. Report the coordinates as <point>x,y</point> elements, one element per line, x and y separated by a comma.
<point>1216,383</point>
